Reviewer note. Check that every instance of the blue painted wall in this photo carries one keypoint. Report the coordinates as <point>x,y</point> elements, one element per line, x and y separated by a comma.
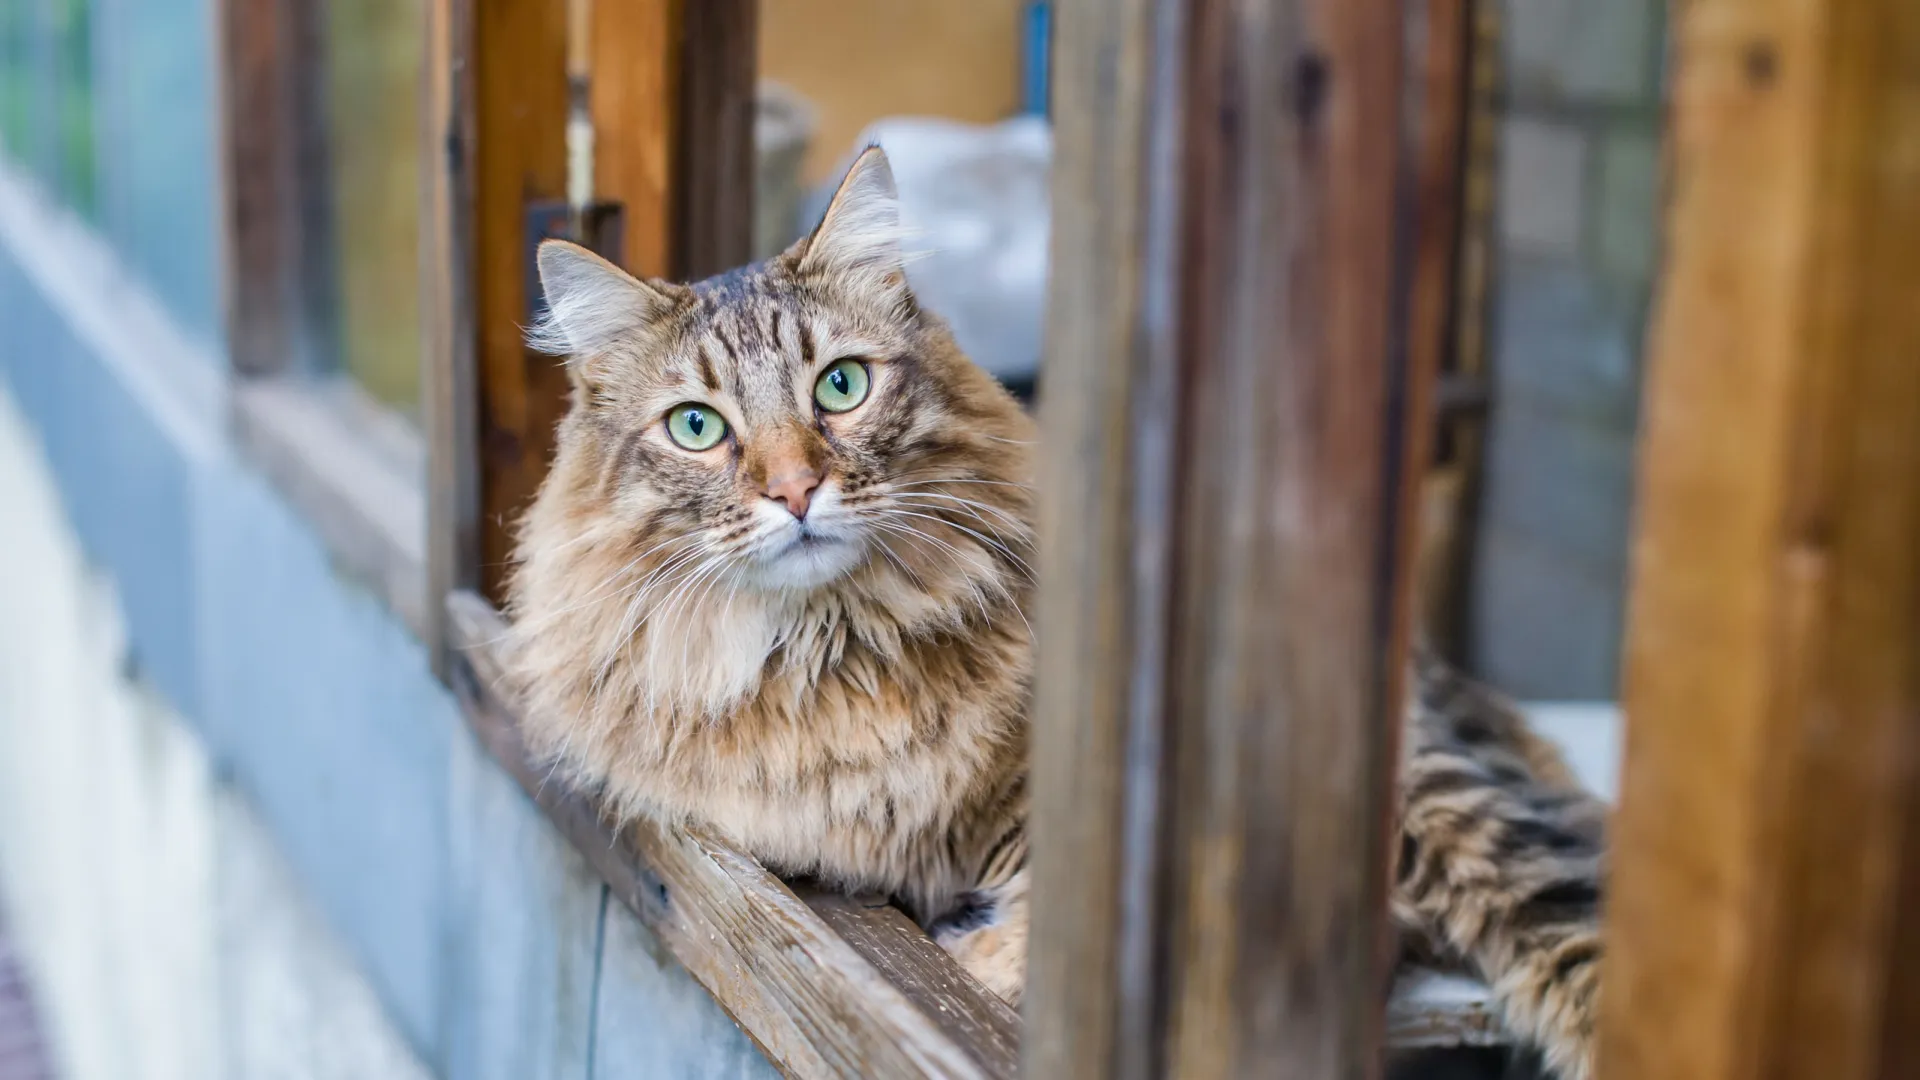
<point>485,935</point>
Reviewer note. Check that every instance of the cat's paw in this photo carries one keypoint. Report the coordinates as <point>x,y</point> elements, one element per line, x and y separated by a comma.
<point>1553,1002</point>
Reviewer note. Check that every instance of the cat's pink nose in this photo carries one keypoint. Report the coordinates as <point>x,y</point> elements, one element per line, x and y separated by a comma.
<point>794,490</point>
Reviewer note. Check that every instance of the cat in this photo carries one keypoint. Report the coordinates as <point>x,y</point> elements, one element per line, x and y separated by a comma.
<point>776,584</point>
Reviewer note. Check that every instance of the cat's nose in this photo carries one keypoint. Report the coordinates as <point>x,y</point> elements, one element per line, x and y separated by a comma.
<point>794,489</point>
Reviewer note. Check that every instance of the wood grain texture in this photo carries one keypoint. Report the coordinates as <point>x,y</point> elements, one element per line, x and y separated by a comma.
<point>449,386</point>
<point>821,989</point>
<point>1762,913</point>
<point>274,151</point>
<point>632,99</point>
<point>253,130</point>
<point>1223,601</point>
<point>713,166</point>
<point>1435,130</point>
<point>518,62</point>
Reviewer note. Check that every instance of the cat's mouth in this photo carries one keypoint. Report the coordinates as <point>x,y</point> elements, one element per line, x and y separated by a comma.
<point>808,557</point>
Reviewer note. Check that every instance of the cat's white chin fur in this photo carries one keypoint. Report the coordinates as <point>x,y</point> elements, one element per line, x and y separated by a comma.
<point>800,556</point>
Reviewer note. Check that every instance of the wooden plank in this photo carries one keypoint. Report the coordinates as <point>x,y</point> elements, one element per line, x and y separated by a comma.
<point>671,96</point>
<point>253,128</point>
<point>632,98</point>
<point>518,61</point>
<point>270,138</point>
<point>1436,114</point>
<point>713,166</point>
<point>1763,919</point>
<point>817,1003</point>
<point>450,375</point>
<point>1222,610</point>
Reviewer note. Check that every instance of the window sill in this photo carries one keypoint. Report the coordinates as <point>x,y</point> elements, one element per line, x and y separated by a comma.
<point>826,985</point>
<point>354,470</point>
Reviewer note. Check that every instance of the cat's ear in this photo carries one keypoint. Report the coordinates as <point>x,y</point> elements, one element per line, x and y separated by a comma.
<point>591,303</point>
<point>860,236</point>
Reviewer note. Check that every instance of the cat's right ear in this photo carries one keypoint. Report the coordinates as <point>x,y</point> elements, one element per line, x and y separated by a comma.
<point>591,303</point>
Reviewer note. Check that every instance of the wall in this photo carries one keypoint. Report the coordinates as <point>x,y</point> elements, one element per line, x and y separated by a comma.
<point>1578,206</point>
<point>163,934</point>
<point>486,942</point>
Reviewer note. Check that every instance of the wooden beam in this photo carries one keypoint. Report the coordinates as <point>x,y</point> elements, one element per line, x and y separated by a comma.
<point>277,307</point>
<point>1438,57</point>
<point>449,379</point>
<point>520,158</point>
<point>713,166</point>
<point>1222,609</point>
<point>633,96</point>
<point>671,98</point>
<point>1763,915</point>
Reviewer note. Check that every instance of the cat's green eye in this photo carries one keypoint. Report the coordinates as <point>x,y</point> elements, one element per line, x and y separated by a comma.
<point>695,427</point>
<point>842,386</point>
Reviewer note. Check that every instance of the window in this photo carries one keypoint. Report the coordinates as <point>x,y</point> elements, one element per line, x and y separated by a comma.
<point>46,94</point>
<point>367,217</point>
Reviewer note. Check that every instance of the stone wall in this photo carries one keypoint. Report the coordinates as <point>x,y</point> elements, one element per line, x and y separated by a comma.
<point>1578,248</point>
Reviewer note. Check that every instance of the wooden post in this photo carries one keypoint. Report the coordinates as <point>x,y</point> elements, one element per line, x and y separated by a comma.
<point>274,160</point>
<point>1222,611</point>
<point>1764,909</point>
<point>671,98</point>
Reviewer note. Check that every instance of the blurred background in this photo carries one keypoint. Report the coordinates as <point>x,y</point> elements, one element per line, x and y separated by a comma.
<point>243,829</point>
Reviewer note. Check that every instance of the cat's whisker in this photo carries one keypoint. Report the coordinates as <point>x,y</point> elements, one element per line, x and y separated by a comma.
<point>716,571</point>
<point>1018,562</point>
<point>598,595</point>
<point>644,589</point>
<point>973,588</point>
<point>902,485</point>
<point>1011,523</point>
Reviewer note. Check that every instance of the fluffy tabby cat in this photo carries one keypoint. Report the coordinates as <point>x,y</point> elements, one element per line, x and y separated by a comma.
<point>775,584</point>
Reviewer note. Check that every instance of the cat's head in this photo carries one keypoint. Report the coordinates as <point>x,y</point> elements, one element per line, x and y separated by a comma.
<point>787,426</point>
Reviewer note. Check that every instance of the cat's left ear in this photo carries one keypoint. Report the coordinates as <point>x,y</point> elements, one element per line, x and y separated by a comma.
<point>860,236</point>
<point>591,303</point>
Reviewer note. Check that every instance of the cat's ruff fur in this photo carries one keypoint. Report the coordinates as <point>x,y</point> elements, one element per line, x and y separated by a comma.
<point>844,694</point>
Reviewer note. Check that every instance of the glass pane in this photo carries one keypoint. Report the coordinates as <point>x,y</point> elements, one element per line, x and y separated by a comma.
<point>372,74</point>
<point>155,142</point>
<point>46,94</point>
<point>15,87</point>
<point>72,47</point>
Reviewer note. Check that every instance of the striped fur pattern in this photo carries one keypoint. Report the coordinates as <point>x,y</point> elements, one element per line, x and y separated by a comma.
<point>843,692</point>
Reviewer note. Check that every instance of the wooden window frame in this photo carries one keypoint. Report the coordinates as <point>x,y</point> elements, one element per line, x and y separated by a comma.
<point>351,465</point>
<point>826,985</point>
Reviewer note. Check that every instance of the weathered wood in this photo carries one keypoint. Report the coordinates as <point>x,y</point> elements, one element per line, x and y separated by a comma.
<point>1762,914</point>
<point>254,129</point>
<point>449,378</point>
<point>823,996</point>
<point>713,166</point>
<point>1435,130</point>
<point>671,97</point>
<point>518,75</point>
<point>924,972</point>
<point>1223,588</point>
<point>274,151</point>
<point>633,101</point>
